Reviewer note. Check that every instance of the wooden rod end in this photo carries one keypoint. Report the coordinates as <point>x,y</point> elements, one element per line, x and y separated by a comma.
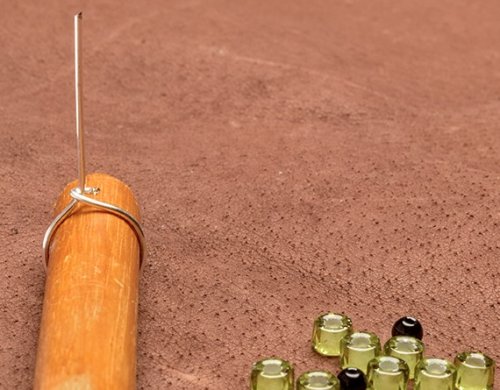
<point>89,320</point>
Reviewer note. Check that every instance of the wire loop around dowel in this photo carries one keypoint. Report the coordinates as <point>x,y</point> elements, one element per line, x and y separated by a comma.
<point>78,196</point>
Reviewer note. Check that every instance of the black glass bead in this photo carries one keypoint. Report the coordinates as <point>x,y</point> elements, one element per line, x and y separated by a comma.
<point>408,326</point>
<point>352,379</point>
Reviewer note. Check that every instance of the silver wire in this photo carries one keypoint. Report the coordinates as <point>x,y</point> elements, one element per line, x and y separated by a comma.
<point>118,211</point>
<point>53,227</point>
<point>78,102</point>
<point>77,193</point>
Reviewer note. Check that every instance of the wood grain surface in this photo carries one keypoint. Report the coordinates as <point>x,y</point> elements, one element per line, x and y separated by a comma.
<point>89,320</point>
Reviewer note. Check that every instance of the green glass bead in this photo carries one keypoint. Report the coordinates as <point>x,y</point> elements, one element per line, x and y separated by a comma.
<point>387,373</point>
<point>407,348</point>
<point>318,380</point>
<point>272,374</point>
<point>435,374</point>
<point>475,371</point>
<point>358,348</point>
<point>329,330</point>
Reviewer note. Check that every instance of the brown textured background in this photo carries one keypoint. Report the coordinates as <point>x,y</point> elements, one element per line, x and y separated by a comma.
<point>290,157</point>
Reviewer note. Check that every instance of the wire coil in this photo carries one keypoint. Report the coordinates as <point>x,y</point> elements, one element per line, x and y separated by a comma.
<point>78,196</point>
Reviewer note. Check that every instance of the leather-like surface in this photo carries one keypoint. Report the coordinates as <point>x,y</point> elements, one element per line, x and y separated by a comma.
<point>289,158</point>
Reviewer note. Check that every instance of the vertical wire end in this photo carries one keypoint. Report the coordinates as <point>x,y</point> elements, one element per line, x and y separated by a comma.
<point>79,104</point>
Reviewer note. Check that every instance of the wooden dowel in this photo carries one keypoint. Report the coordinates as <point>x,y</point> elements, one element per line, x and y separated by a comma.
<point>89,321</point>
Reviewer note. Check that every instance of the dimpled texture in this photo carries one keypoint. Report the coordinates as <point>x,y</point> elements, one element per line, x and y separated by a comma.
<point>289,158</point>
